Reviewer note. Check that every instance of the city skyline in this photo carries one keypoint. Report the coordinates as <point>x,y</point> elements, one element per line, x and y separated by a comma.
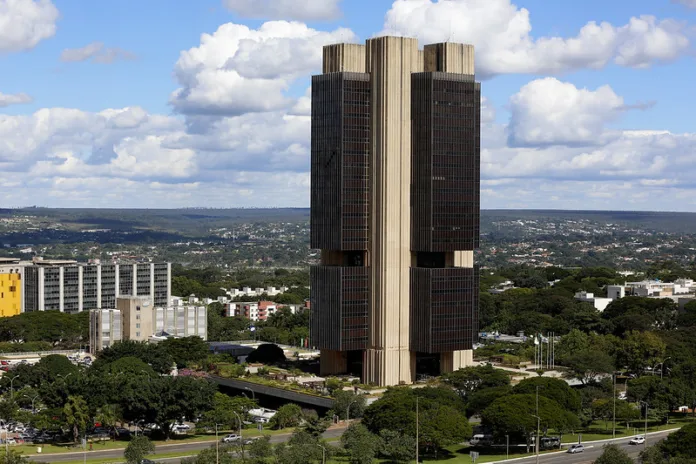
<point>585,106</point>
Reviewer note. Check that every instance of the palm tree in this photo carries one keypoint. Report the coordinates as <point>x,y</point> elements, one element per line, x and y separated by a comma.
<point>108,416</point>
<point>76,415</point>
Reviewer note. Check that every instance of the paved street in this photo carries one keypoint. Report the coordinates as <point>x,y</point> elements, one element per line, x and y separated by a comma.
<point>592,452</point>
<point>173,448</point>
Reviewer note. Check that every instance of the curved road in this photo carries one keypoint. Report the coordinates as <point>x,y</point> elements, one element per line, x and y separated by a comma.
<point>592,452</point>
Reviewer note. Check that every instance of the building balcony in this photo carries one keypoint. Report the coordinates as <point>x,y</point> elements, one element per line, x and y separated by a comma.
<point>444,304</point>
<point>340,303</point>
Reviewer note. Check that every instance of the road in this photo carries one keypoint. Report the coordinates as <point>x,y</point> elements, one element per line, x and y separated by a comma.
<point>592,452</point>
<point>182,448</point>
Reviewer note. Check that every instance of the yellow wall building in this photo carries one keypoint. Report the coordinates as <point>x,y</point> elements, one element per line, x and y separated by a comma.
<point>10,293</point>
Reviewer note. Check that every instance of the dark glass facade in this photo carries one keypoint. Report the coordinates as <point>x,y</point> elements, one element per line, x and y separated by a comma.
<point>340,303</point>
<point>444,303</point>
<point>445,162</point>
<point>340,161</point>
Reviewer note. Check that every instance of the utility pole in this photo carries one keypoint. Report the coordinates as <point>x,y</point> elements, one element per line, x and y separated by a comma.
<point>217,446</point>
<point>613,430</point>
<point>507,446</point>
<point>417,460</point>
<point>538,424</point>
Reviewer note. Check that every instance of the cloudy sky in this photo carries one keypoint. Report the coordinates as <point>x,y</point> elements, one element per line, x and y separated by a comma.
<point>175,103</point>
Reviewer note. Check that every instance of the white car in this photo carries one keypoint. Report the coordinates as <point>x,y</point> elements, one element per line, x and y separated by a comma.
<point>639,440</point>
<point>576,449</point>
<point>231,438</point>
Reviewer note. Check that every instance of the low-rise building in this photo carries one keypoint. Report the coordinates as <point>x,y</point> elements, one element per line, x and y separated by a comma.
<point>104,329</point>
<point>599,303</point>
<point>11,294</point>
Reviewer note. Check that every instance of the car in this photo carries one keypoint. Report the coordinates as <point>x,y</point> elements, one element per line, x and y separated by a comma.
<point>639,440</point>
<point>231,438</point>
<point>147,461</point>
<point>576,449</point>
<point>249,441</point>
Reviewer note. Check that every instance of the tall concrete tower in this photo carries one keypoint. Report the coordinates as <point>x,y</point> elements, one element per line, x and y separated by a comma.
<point>395,208</point>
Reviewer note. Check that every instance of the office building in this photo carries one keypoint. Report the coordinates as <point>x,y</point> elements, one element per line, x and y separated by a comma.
<point>11,295</point>
<point>104,329</point>
<point>65,285</point>
<point>182,321</point>
<point>137,314</point>
<point>395,161</point>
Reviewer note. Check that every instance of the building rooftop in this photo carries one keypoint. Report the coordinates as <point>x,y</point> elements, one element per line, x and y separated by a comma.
<point>9,260</point>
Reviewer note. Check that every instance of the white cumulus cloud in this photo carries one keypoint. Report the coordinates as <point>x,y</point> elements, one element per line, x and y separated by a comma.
<point>238,70</point>
<point>550,112</point>
<point>25,23</point>
<point>305,10</point>
<point>501,33</point>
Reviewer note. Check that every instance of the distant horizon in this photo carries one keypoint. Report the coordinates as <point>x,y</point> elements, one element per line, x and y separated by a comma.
<point>198,208</point>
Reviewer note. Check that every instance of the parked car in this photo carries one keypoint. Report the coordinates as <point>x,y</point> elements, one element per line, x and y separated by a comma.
<point>639,440</point>
<point>147,461</point>
<point>231,438</point>
<point>576,449</point>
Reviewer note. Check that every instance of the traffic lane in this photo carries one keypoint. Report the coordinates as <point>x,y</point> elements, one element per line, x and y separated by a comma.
<point>593,451</point>
<point>173,448</point>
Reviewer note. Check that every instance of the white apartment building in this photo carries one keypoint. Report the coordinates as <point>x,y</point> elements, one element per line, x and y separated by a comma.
<point>251,292</point>
<point>69,286</point>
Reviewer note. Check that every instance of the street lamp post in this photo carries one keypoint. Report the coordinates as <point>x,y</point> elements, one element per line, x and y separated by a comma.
<point>662,366</point>
<point>416,430</point>
<point>240,425</point>
<point>645,443</point>
<point>538,425</point>
<point>613,427</point>
<point>217,446</point>
<point>11,386</point>
<point>507,446</point>
<point>253,395</point>
<point>33,410</point>
<point>348,409</point>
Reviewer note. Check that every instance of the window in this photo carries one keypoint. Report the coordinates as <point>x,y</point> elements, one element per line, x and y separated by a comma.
<point>137,317</point>
<point>137,326</point>
<point>137,334</point>
<point>137,308</point>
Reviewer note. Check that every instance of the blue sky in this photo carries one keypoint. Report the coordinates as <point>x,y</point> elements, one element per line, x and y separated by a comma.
<point>124,103</point>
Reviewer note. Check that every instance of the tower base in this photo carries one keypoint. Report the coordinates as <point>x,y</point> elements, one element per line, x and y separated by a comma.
<point>385,367</point>
<point>455,360</point>
<point>333,362</point>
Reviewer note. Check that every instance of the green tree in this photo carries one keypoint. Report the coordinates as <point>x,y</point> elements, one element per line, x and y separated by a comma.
<point>680,444</point>
<point>640,350</point>
<point>553,389</point>
<point>288,415</point>
<point>268,353</point>
<point>227,410</point>
<point>612,454</point>
<point>14,457</point>
<point>76,415</point>
<point>302,448</point>
<point>470,379</point>
<point>260,450</point>
<point>481,399</point>
<point>588,364</point>
<point>514,415</point>
<point>187,350</point>
<point>361,445</point>
<point>397,447</point>
<point>138,448</point>
<point>154,355</point>
<point>347,402</point>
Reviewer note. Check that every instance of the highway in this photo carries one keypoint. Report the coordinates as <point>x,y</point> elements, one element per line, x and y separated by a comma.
<point>592,452</point>
<point>183,448</point>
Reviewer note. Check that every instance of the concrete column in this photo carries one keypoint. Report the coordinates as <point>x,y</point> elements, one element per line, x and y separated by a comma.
<point>152,283</point>
<point>62,291</point>
<point>99,286</point>
<point>117,282</point>
<point>41,303</point>
<point>455,360</point>
<point>169,284</point>
<point>80,288</point>
<point>390,60</point>
<point>135,280</point>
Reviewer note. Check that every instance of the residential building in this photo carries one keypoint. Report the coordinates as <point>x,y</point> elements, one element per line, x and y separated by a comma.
<point>395,205</point>
<point>104,329</point>
<point>181,321</point>
<point>64,285</point>
<point>11,294</point>
<point>138,317</point>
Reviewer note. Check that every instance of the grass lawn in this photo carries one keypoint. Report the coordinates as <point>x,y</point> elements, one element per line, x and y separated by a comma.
<point>121,444</point>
